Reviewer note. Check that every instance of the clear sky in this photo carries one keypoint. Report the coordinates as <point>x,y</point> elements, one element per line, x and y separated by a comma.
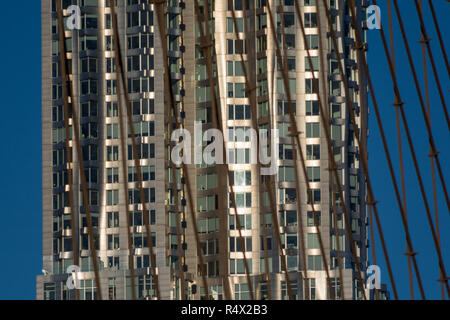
<point>20,152</point>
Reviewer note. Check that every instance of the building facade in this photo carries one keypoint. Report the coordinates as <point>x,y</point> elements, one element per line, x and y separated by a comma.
<point>91,52</point>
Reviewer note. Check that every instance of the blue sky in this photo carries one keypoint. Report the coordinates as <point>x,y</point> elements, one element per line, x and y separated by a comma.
<point>20,155</point>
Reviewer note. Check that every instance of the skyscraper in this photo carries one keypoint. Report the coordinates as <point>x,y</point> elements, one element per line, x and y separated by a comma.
<point>91,54</point>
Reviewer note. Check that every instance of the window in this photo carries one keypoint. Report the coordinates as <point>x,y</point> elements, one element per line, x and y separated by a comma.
<point>88,87</point>
<point>234,68</point>
<point>281,89</point>
<point>315,64</point>
<point>261,21</point>
<point>237,267</point>
<point>336,287</point>
<point>239,22</point>
<point>313,174</point>
<point>312,288</point>
<point>334,66</point>
<point>310,2</point>
<point>143,129</point>
<point>148,173</point>
<point>230,46</point>
<point>112,197</point>
<point>313,41</point>
<point>206,181</point>
<point>311,84</point>
<point>313,152</point>
<point>288,218</point>
<point>284,129</point>
<point>88,42</point>
<point>112,175</point>
<point>140,40</point>
<point>236,90</point>
<point>111,109</point>
<point>245,221</point>
<point>241,178</point>
<point>337,155</point>
<point>286,174</point>
<point>89,130</point>
<point>239,156</point>
<point>89,109</point>
<point>243,200</point>
<point>239,134</point>
<point>310,218</point>
<point>291,63</point>
<point>283,107</point>
<point>134,195</point>
<point>49,291</point>
<point>312,129</point>
<point>336,132</point>
<point>207,203</point>
<point>113,262</point>
<point>290,41</point>
<point>111,87</point>
<point>143,106</point>
<point>313,241</point>
<point>261,43</point>
<point>315,262</point>
<point>312,108</point>
<point>140,240</point>
<point>289,240</point>
<point>315,196</point>
<point>89,3</point>
<point>137,85</point>
<point>285,152</point>
<point>233,46</point>
<point>112,153</point>
<point>113,219</point>
<point>209,247</point>
<point>90,152</point>
<point>239,112</point>
<point>108,21</point>
<point>208,225</point>
<point>112,131</point>
<point>144,150</point>
<point>310,20</point>
<point>90,21</point>
<point>88,64</point>
<point>336,110</point>
<point>289,19</point>
<point>113,241</point>
<point>269,243</point>
<point>334,244</point>
<point>235,244</point>
<point>288,195</point>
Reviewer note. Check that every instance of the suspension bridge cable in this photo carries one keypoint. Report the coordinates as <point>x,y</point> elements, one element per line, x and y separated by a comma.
<point>433,65</point>
<point>68,143</point>
<point>416,166</point>
<point>361,146</point>
<point>86,201</point>
<point>168,81</point>
<point>397,106</point>
<point>250,86</point>
<point>207,48</point>
<point>337,232</point>
<point>282,60</point>
<point>135,153</point>
<point>432,168</point>
<point>438,30</point>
